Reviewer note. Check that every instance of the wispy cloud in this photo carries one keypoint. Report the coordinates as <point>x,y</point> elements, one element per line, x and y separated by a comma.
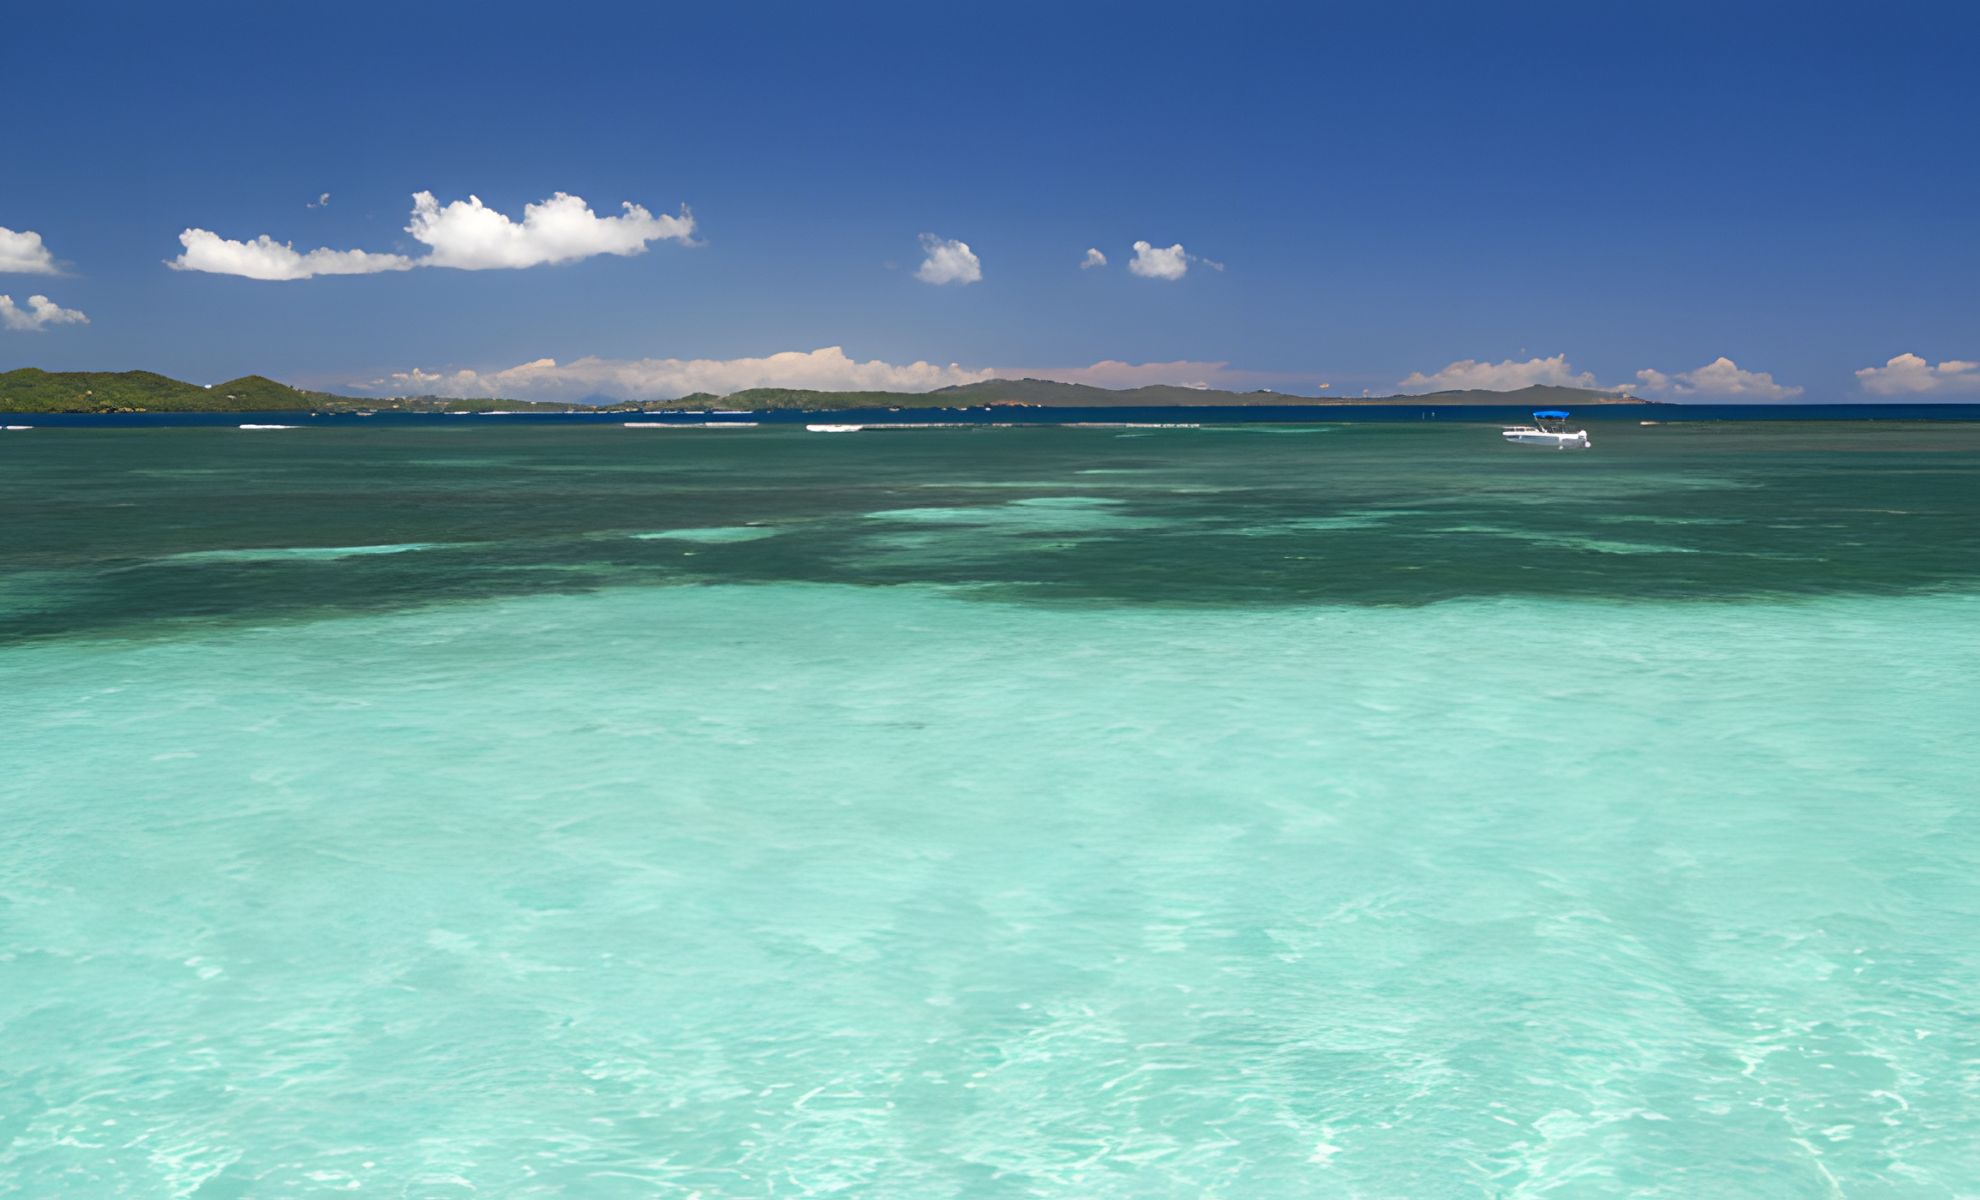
<point>1720,377</point>
<point>1506,376</point>
<point>1093,259</point>
<point>322,201</point>
<point>24,253</point>
<point>946,260</point>
<point>465,235</point>
<point>40,313</point>
<point>1910,375</point>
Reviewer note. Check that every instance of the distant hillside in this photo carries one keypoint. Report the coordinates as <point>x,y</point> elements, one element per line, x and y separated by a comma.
<point>31,390</point>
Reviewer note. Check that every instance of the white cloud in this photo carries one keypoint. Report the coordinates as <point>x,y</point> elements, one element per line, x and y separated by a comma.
<point>466,235</point>
<point>470,236</point>
<point>1720,377</point>
<point>1155,262</point>
<point>266,258</point>
<point>1910,375</point>
<point>947,261</point>
<point>828,369</point>
<point>1506,376</point>
<point>322,201</point>
<point>40,313</point>
<point>1093,259</point>
<point>24,254</point>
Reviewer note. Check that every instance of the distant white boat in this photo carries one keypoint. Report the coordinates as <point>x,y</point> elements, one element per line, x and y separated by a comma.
<point>268,427</point>
<point>11,428</point>
<point>1549,428</point>
<point>835,428</point>
<point>690,424</point>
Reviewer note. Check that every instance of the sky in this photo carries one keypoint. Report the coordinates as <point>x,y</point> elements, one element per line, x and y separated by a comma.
<point>1724,201</point>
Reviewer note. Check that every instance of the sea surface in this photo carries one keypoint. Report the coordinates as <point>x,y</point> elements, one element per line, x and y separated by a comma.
<point>1346,810</point>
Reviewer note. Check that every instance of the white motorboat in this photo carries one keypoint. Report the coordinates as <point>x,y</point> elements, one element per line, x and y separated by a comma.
<point>1549,428</point>
<point>834,428</point>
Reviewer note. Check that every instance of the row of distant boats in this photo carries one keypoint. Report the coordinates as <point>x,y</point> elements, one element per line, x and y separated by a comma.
<point>1549,428</point>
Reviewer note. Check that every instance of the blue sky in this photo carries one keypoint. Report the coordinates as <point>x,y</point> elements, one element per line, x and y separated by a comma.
<point>1547,191</point>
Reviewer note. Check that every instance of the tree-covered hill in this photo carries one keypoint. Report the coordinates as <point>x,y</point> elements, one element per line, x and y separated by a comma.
<point>31,390</point>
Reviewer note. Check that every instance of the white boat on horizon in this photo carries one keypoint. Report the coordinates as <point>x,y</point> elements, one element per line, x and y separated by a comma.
<point>1549,428</point>
<point>834,428</point>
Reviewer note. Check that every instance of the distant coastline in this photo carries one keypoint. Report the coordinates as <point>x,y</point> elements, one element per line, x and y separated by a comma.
<point>30,390</point>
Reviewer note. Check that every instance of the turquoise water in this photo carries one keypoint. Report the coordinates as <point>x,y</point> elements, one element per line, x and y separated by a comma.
<point>1020,813</point>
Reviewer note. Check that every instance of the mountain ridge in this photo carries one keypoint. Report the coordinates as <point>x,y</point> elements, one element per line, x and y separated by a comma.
<point>30,389</point>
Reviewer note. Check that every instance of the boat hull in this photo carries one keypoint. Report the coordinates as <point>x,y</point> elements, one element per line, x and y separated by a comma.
<point>1577,440</point>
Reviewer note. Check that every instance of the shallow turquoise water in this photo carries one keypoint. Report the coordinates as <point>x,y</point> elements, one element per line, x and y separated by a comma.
<point>976,833</point>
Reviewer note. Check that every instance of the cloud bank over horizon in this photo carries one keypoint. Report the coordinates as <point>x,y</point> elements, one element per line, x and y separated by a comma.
<point>1507,376</point>
<point>465,235</point>
<point>1911,375</point>
<point>829,368</point>
<point>1722,377</point>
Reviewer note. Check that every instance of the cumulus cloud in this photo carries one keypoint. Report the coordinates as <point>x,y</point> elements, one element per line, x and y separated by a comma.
<point>40,313</point>
<point>1910,375</point>
<point>1720,377</point>
<point>1507,376</point>
<point>266,258</point>
<point>829,368</point>
<point>24,254</point>
<point>1157,262</point>
<point>470,236</point>
<point>466,235</point>
<point>1093,259</point>
<point>322,201</point>
<point>947,260</point>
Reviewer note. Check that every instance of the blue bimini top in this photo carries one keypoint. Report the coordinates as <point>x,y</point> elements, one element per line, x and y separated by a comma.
<point>1551,412</point>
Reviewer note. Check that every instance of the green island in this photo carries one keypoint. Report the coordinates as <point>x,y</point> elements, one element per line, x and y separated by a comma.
<point>29,390</point>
